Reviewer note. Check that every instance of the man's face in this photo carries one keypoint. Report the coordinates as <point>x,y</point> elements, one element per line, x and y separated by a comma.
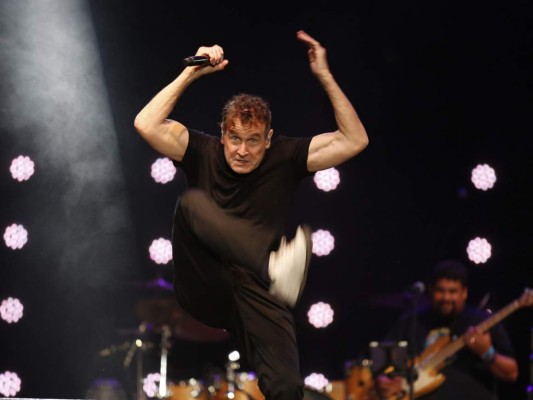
<point>448,297</point>
<point>245,145</point>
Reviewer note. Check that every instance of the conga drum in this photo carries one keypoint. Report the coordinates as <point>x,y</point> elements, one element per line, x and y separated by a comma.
<point>191,389</point>
<point>245,387</point>
<point>248,387</point>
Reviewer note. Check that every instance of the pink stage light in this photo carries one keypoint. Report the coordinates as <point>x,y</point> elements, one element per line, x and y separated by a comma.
<point>163,170</point>
<point>22,168</point>
<point>11,310</point>
<point>327,179</point>
<point>9,384</point>
<point>15,236</point>
<point>320,315</point>
<point>479,250</point>
<point>483,177</point>
<point>323,242</point>
<point>316,381</point>
<point>161,251</point>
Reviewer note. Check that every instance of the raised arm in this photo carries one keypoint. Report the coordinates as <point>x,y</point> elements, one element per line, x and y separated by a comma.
<point>333,148</point>
<point>166,136</point>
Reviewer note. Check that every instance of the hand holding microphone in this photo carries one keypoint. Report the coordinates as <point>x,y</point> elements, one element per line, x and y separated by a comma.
<point>196,60</point>
<point>212,56</point>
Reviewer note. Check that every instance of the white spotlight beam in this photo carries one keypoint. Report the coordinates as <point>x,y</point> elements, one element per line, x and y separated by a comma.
<point>58,108</point>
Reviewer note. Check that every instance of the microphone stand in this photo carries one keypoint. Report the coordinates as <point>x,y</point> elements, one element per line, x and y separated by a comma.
<point>411,371</point>
<point>163,392</point>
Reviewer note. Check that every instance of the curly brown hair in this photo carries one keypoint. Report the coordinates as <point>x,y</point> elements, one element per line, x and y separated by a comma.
<point>248,108</point>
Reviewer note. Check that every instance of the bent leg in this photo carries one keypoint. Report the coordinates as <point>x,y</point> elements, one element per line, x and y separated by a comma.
<point>231,238</point>
<point>266,328</point>
<point>203,281</point>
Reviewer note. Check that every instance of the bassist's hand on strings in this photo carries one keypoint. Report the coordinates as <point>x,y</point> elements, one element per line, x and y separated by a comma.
<point>505,368</point>
<point>477,341</point>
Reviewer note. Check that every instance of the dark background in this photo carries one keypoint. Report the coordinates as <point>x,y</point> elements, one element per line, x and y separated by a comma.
<point>440,88</point>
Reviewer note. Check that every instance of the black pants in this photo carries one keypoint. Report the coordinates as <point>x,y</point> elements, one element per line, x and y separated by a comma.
<point>218,262</point>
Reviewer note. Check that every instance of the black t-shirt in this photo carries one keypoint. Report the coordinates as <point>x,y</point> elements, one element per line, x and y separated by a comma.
<point>467,376</point>
<point>263,196</point>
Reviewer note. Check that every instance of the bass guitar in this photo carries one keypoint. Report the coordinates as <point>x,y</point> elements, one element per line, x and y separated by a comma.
<point>431,361</point>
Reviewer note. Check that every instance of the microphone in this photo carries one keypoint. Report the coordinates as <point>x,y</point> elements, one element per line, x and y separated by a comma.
<point>413,293</point>
<point>195,60</point>
<point>418,288</point>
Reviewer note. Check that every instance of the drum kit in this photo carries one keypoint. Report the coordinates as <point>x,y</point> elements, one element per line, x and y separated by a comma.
<point>242,387</point>
<point>161,315</point>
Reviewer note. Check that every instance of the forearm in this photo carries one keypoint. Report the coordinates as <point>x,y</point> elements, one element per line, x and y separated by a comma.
<point>155,113</point>
<point>504,368</point>
<point>348,122</point>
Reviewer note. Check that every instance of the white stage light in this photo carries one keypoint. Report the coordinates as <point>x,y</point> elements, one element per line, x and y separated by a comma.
<point>323,242</point>
<point>11,310</point>
<point>161,251</point>
<point>316,381</point>
<point>151,384</point>
<point>9,384</point>
<point>22,168</point>
<point>163,170</point>
<point>483,177</point>
<point>327,179</point>
<point>479,250</point>
<point>234,356</point>
<point>15,236</point>
<point>320,315</point>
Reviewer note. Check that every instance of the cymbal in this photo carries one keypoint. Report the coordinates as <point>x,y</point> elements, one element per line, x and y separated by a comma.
<point>161,311</point>
<point>143,330</point>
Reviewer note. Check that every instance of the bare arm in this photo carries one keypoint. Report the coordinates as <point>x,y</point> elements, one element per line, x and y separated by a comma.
<point>333,148</point>
<point>503,367</point>
<point>166,136</point>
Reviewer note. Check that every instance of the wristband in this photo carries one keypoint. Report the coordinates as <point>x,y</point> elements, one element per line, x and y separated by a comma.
<point>489,356</point>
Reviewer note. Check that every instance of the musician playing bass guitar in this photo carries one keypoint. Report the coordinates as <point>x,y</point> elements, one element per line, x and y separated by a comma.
<point>475,361</point>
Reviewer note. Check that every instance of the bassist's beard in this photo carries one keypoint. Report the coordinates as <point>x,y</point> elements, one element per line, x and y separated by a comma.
<point>447,309</point>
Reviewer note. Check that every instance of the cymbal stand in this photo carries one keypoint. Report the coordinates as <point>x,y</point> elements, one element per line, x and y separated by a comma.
<point>163,392</point>
<point>231,366</point>
<point>140,390</point>
<point>137,347</point>
<point>412,374</point>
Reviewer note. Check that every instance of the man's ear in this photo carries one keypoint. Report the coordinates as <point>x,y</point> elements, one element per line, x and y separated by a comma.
<point>269,138</point>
